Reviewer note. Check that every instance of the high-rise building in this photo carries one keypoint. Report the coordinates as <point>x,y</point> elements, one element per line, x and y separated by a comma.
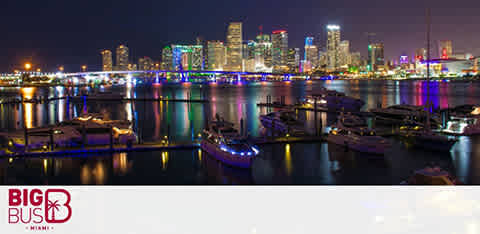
<point>420,54</point>
<point>187,57</point>
<point>216,55</point>
<point>264,53</point>
<point>311,52</point>
<point>293,59</point>
<point>132,67</point>
<point>234,46</point>
<point>344,53</point>
<point>107,60</point>
<point>375,56</point>
<point>311,55</point>
<point>308,41</point>
<point>356,59</point>
<point>333,43</point>
<point>445,49</point>
<point>251,49</point>
<point>167,58</point>
<point>122,58</point>
<point>146,64</point>
<point>201,41</point>
<point>279,50</point>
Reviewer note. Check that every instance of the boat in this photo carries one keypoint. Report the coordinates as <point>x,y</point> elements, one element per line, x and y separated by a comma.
<point>402,114</point>
<point>333,101</point>
<point>41,138</point>
<point>363,140</point>
<point>431,176</point>
<point>427,139</point>
<point>98,127</point>
<point>225,144</point>
<point>284,122</point>
<point>350,120</point>
<point>431,141</point>
<point>462,121</point>
<point>462,126</point>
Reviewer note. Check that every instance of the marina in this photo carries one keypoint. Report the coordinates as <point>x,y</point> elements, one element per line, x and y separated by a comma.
<point>285,146</point>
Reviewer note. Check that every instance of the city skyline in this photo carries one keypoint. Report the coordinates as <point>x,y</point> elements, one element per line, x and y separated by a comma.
<point>73,41</point>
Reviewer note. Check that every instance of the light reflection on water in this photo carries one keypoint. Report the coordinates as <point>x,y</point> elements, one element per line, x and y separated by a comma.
<point>300,164</point>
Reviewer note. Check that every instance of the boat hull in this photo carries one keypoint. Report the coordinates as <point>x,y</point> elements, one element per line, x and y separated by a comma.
<point>425,143</point>
<point>280,126</point>
<point>226,157</point>
<point>355,146</point>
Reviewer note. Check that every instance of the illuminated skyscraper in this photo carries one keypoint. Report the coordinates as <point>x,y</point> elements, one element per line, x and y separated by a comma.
<point>264,53</point>
<point>107,60</point>
<point>167,58</point>
<point>279,50</point>
<point>356,59</point>
<point>308,41</point>
<point>344,53</point>
<point>445,49</point>
<point>234,46</point>
<point>187,57</point>
<point>375,56</point>
<point>333,43</point>
<point>122,58</point>
<point>132,67</point>
<point>293,59</point>
<point>145,64</point>
<point>216,55</point>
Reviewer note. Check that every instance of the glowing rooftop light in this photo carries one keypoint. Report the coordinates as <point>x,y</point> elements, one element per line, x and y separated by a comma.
<point>333,27</point>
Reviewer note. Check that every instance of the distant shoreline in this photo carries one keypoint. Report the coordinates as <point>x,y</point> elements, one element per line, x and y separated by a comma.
<point>450,79</point>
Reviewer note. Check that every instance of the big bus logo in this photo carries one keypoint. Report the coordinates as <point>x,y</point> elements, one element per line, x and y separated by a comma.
<point>36,207</point>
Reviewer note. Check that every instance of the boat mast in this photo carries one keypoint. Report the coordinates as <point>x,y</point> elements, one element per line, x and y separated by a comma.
<point>428,68</point>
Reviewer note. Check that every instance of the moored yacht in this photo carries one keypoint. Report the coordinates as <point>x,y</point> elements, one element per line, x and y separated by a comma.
<point>97,129</point>
<point>462,121</point>
<point>358,139</point>
<point>401,114</point>
<point>284,122</point>
<point>334,101</point>
<point>432,141</point>
<point>223,142</point>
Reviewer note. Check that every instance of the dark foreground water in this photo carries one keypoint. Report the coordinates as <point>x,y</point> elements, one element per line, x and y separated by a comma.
<point>315,163</point>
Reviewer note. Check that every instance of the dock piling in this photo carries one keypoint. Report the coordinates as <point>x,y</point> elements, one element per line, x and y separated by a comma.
<point>111,138</point>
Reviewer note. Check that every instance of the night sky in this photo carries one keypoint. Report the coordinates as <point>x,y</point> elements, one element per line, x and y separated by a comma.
<point>71,32</point>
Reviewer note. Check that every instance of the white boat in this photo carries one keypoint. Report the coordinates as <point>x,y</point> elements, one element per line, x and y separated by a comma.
<point>462,126</point>
<point>401,114</point>
<point>223,142</point>
<point>334,101</point>
<point>463,121</point>
<point>97,129</point>
<point>358,139</point>
<point>284,122</point>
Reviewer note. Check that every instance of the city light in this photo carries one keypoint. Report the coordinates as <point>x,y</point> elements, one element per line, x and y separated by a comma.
<point>333,27</point>
<point>28,66</point>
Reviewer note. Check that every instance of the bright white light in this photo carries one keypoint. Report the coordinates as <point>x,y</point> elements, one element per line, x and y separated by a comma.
<point>333,27</point>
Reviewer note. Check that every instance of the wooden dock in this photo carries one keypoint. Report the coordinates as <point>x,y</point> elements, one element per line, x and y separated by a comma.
<point>95,150</point>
